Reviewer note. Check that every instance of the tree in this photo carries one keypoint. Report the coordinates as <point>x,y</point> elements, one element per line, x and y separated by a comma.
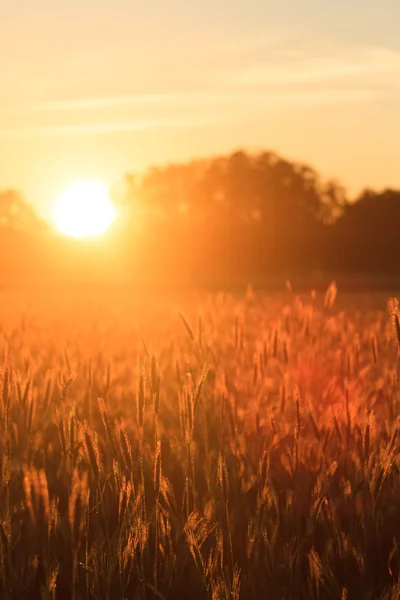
<point>235,216</point>
<point>366,238</point>
<point>15,213</point>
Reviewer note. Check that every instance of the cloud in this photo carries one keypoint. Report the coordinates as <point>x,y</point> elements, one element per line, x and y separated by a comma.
<point>109,128</point>
<point>272,75</point>
<point>132,100</point>
<point>360,65</point>
<point>224,108</point>
<point>327,97</point>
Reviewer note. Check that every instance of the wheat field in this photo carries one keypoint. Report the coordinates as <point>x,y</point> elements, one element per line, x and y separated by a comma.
<point>211,446</point>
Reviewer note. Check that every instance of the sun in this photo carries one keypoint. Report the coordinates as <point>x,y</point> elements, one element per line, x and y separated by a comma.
<point>84,209</point>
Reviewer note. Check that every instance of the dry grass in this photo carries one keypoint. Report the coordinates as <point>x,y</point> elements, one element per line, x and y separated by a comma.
<point>234,449</point>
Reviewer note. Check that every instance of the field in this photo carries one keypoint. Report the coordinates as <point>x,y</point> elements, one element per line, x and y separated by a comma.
<point>199,446</point>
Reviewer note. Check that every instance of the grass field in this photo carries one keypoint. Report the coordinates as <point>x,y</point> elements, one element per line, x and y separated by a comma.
<point>199,447</point>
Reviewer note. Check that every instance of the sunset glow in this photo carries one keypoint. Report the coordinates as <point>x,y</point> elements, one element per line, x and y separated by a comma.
<point>84,209</point>
<point>292,77</point>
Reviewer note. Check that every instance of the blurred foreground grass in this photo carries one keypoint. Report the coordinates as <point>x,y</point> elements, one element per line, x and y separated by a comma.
<point>199,447</point>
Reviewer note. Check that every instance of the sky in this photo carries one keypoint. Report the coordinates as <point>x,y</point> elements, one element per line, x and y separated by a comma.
<point>94,89</point>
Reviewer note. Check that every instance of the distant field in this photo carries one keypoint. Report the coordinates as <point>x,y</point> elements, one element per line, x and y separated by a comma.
<point>199,446</point>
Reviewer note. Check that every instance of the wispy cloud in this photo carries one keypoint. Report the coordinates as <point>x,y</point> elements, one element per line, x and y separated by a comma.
<point>327,97</point>
<point>229,113</point>
<point>360,65</point>
<point>108,128</point>
<point>126,101</point>
<point>363,69</point>
<point>282,77</point>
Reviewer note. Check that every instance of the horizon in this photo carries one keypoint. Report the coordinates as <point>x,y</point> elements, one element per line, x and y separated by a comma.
<point>48,217</point>
<point>317,84</point>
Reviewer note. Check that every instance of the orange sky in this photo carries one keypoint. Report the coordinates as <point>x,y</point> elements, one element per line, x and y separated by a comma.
<point>96,89</point>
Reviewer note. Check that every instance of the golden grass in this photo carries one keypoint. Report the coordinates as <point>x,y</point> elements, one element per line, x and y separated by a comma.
<point>231,449</point>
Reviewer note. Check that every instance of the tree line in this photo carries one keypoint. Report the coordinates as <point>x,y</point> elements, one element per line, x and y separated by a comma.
<point>241,218</point>
<point>247,217</point>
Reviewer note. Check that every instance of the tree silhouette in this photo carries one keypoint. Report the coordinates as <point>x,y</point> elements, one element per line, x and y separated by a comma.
<point>15,213</point>
<point>236,216</point>
<point>229,219</point>
<point>366,238</point>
